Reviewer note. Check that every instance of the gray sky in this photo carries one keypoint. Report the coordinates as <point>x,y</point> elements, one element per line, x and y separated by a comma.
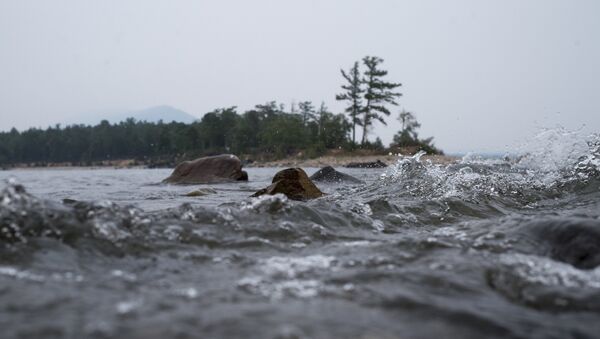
<point>480,75</point>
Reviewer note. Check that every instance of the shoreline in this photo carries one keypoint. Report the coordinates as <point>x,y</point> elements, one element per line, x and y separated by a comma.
<point>319,162</point>
<point>342,161</point>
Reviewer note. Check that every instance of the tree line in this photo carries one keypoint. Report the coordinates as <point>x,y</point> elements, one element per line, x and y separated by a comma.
<point>268,130</point>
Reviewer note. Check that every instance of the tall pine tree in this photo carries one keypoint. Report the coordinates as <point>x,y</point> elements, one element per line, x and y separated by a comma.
<point>378,93</point>
<point>353,95</point>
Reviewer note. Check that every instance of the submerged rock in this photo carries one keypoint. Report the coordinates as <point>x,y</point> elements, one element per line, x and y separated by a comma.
<point>294,183</point>
<point>373,164</point>
<point>574,241</point>
<point>208,170</point>
<point>329,174</point>
<point>200,192</point>
<point>68,201</point>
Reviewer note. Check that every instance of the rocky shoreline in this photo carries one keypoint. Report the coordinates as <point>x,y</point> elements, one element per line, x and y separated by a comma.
<point>327,160</point>
<point>344,160</point>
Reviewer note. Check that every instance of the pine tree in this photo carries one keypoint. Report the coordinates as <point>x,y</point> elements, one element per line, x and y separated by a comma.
<point>307,111</point>
<point>322,115</point>
<point>378,93</point>
<point>408,134</point>
<point>293,108</point>
<point>353,94</point>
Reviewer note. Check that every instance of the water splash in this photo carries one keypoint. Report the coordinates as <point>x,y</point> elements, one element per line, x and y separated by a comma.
<point>553,151</point>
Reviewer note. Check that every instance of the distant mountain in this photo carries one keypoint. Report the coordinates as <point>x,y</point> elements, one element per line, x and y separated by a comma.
<point>154,114</point>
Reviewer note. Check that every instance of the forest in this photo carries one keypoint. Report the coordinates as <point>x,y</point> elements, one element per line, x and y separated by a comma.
<point>268,131</point>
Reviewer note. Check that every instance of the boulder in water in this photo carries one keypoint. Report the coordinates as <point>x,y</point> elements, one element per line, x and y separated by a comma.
<point>294,183</point>
<point>208,170</point>
<point>373,164</point>
<point>329,174</point>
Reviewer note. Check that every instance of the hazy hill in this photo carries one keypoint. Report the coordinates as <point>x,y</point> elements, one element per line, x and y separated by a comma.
<point>154,114</point>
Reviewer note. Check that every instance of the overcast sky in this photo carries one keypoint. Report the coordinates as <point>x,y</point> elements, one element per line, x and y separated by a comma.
<point>479,75</point>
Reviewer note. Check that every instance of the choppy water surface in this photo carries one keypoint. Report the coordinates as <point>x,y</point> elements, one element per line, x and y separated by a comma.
<point>481,248</point>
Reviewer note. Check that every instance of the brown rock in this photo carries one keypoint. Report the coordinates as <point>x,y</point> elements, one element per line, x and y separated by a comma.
<point>294,184</point>
<point>208,170</point>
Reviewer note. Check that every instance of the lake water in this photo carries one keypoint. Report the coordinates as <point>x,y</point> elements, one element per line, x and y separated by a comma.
<point>481,248</point>
<point>143,188</point>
